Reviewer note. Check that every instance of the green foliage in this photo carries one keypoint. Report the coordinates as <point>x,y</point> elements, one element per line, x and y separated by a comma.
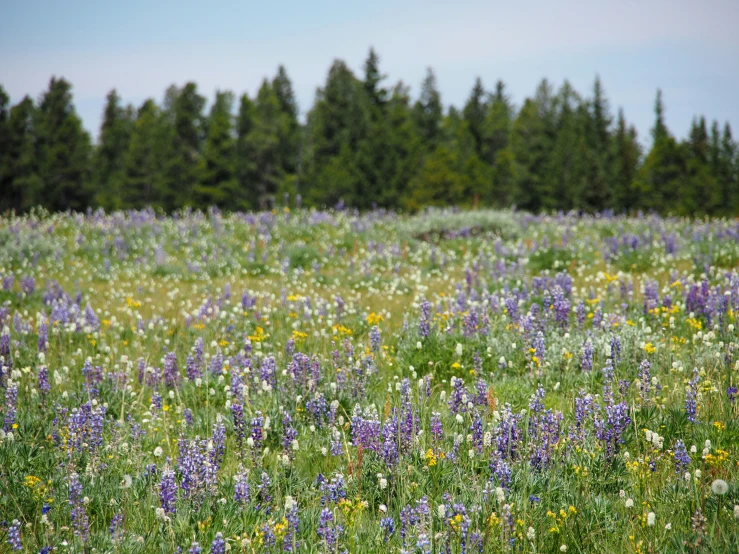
<point>364,143</point>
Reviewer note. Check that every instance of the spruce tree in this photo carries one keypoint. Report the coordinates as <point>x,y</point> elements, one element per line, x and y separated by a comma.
<point>63,150</point>
<point>115,134</point>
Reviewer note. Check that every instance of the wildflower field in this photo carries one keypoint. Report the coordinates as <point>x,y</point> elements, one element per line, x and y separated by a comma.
<point>309,381</point>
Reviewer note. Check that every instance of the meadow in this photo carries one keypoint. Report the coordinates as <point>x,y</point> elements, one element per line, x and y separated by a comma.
<point>334,381</point>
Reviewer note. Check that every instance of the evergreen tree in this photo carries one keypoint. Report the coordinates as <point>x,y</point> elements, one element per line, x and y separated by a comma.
<point>264,148</point>
<point>497,125</point>
<point>474,113</point>
<point>289,126</point>
<point>183,112</point>
<point>6,178</point>
<point>22,185</point>
<point>63,150</point>
<point>338,122</point>
<point>598,190</point>
<point>627,154</point>
<point>218,184</point>
<point>244,166</point>
<point>115,134</point>
<point>531,143</point>
<point>144,160</point>
<point>428,113</point>
<point>661,179</point>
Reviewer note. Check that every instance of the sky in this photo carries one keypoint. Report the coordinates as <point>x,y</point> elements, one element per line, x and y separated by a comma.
<point>688,48</point>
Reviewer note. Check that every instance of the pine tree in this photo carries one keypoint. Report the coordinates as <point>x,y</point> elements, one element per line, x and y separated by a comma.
<point>289,126</point>
<point>183,111</point>
<point>144,159</point>
<point>218,184</point>
<point>660,180</point>
<point>338,122</point>
<point>244,166</point>
<point>22,186</point>
<point>627,154</point>
<point>428,113</point>
<point>6,178</point>
<point>115,134</point>
<point>474,113</point>
<point>598,192</point>
<point>497,125</point>
<point>63,150</point>
<point>264,148</point>
<point>532,138</point>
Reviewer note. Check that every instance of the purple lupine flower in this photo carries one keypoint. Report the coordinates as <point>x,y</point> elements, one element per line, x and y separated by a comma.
<point>327,529</point>
<point>216,364</point>
<point>731,392</point>
<point>539,347</point>
<point>477,432</point>
<point>375,338</point>
<point>318,408</point>
<point>289,434</point>
<point>615,350</point>
<point>218,546</point>
<point>645,381</point>
<point>608,381</point>
<point>116,527</point>
<point>257,432</point>
<point>195,548</point>
<point>691,407</point>
<point>290,542</point>
<point>457,399</point>
<point>43,337</point>
<point>580,314</point>
<point>43,380</point>
<point>611,430</point>
<point>263,491</point>
<point>14,535</point>
<point>586,358</point>
<point>237,411</point>
<point>682,459</point>
<point>241,487</point>
<point>168,491</point>
<point>424,321</point>
<point>471,323</point>
<point>387,524</point>
<point>80,521</point>
<point>11,403</point>
<point>171,370</point>
<point>437,432</point>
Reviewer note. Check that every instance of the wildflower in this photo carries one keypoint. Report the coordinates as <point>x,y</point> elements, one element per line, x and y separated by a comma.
<point>629,503</point>
<point>218,546</point>
<point>719,487</point>
<point>531,534</point>
<point>650,519</point>
<point>14,535</point>
<point>563,548</point>
<point>158,451</point>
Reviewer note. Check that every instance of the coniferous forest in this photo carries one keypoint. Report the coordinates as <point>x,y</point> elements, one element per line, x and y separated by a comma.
<point>363,143</point>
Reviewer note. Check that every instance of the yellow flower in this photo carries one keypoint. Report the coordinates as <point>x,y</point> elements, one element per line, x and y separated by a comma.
<point>456,365</point>
<point>430,458</point>
<point>374,319</point>
<point>649,348</point>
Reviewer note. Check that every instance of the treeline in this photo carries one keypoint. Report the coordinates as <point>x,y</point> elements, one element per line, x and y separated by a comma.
<point>363,143</point>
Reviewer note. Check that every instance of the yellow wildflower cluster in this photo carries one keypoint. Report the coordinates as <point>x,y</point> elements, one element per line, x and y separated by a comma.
<point>299,335</point>
<point>374,319</point>
<point>341,330</point>
<point>718,459</point>
<point>258,336</point>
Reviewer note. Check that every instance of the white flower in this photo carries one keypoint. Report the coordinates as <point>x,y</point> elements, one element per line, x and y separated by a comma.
<point>459,418</point>
<point>127,482</point>
<point>383,508</point>
<point>324,451</point>
<point>563,548</point>
<point>531,534</point>
<point>650,519</point>
<point>668,526</point>
<point>698,473</point>
<point>289,502</point>
<point>295,445</point>
<point>719,487</point>
<point>500,494</point>
<point>441,510</point>
<point>158,451</point>
<point>629,503</point>
<point>419,345</point>
<point>458,349</point>
<point>383,484</point>
<point>736,511</point>
<point>250,442</point>
<point>622,493</point>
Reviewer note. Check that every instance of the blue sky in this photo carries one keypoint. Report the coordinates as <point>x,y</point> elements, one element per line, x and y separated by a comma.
<point>688,48</point>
